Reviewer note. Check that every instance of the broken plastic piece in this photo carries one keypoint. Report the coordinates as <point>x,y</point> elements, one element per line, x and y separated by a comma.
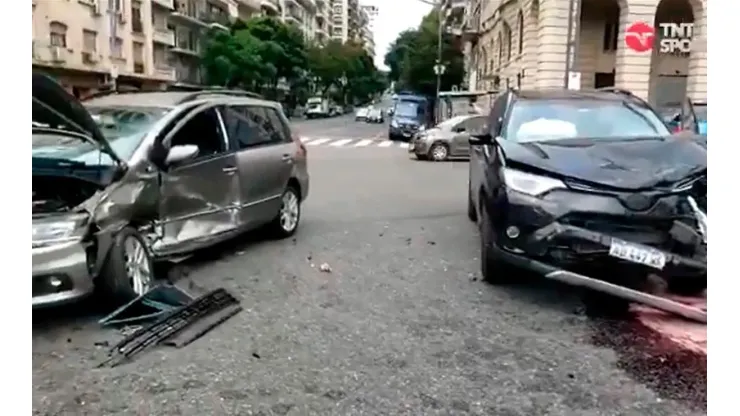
<point>151,305</point>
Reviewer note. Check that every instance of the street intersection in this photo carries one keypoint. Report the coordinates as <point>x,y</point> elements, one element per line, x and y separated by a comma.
<point>398,323</point>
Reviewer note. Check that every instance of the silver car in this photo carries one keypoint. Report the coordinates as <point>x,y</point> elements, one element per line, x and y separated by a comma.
<point>129,179</point>
<point>449,139</point>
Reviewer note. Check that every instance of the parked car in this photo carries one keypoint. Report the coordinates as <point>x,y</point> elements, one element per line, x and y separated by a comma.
<point>691,116</point>
<point>449,139</point>
<point>361,113</point>
<point>586,182</point>
<point>129,179</point>
<point>375,115</point>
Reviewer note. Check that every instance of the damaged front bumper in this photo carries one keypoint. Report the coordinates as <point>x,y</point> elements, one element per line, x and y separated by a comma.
<point>570,230</point>
<point>60,274</point>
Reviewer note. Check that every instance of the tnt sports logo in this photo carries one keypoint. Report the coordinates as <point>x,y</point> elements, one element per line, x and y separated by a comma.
<point>639,37</point>
<point>674,37</point>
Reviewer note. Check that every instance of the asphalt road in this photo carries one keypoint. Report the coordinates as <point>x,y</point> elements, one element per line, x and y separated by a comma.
<point>401,325</point>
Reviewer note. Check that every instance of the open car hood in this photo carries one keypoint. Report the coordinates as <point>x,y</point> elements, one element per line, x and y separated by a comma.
<point>53,106</point>
<point>629,164</point>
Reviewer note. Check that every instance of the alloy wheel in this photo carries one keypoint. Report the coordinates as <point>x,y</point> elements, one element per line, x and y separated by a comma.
<point>289,211</point>
<point>138,267</point>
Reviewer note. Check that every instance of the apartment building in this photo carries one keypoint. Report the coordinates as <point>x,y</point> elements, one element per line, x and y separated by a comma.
<point>302,14</point>
<point>368,30</point>
<point>524,43</point>
<point>90,44</point>
<point>323,21</point>
<point>346,20</point>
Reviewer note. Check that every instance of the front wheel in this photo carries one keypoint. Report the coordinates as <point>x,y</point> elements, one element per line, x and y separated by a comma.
<point>128,270</point>
<point>439,152</point>
<point>286,222</point>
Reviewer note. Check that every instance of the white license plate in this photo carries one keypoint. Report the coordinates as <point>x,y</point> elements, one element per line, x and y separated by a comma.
<point>637,253</point>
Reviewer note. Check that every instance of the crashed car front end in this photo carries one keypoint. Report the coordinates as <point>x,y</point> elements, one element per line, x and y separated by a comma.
<point>572,225</point>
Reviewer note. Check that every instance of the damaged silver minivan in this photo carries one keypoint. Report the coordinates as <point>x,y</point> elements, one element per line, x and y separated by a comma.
<point>133,178</point>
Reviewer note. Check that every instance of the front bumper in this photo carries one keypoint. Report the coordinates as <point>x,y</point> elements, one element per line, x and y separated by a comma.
<point>567,229</point>
<point>402,132</point>
<point>60,274</point>
<point>418,146</point>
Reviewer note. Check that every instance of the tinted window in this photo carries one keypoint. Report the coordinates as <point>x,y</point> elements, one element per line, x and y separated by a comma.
<point>560,119</point>
<point>246,126</point>
<point>278,130</point>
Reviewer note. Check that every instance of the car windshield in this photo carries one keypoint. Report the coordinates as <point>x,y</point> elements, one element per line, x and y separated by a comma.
<point>450,123</point>
<point>409,109</point>
<point>124,128</point>
<point>544,120</point>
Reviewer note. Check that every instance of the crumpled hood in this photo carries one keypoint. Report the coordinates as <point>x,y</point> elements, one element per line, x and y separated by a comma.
<point>630,164</point>
<point>52,105</point>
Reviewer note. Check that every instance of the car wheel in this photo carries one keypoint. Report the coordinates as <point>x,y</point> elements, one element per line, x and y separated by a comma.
<point>493,270</point>
<point>439,152</point>
<point>472,215</point>
<point>421,157</point>
<point>286,222</point>
<point>128,271</point>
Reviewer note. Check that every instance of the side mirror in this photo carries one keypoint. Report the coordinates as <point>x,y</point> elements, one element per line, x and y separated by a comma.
<point>178,154</point>
<point>480,139</point>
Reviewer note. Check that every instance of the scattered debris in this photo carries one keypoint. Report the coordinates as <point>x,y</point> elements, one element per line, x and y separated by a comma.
<point>255,355</point>
<point>325,268</point>
<point>431,243</point>
<point>178,326</point>
<point>152,304</point>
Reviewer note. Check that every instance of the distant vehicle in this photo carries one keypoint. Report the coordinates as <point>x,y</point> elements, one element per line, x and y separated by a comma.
<point>457,103</point>
<point>375,115</point>
<point>126,179</point>
<point>448,139</point>
<point>410,115</point>
<point>389,111</point>
<point>318,107</point>
<point>361,113</point>
<point>588,183</point>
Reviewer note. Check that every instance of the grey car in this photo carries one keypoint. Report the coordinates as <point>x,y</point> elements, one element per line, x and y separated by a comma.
<point>449,139</point>
<point>129,179</point>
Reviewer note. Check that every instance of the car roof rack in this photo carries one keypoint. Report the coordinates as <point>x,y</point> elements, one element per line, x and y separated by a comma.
<point>218,91</point>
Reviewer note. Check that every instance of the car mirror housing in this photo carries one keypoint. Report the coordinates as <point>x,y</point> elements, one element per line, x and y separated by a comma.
<point>181,153</point>
<point>480,139</point>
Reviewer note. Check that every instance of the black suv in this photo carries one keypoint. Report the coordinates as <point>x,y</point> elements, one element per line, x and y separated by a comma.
<point>588,182</point>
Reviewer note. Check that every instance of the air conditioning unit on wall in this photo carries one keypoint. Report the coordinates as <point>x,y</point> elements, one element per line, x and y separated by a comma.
<point>89,57</point>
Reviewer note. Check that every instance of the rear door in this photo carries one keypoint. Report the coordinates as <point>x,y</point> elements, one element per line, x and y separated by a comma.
<point>265,157</point>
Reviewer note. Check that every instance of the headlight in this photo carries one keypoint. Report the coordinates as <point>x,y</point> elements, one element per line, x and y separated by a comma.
<point>530,184</point>
<point>394,123</point>
<point>57,232</point>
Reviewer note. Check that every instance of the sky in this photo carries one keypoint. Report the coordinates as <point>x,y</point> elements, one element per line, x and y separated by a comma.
<point>394,16</point>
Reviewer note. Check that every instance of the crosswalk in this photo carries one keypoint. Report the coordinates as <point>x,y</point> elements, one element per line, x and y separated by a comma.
<point>351,143</point>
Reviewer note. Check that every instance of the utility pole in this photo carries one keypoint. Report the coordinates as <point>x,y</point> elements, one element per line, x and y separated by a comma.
<point>573,35</point>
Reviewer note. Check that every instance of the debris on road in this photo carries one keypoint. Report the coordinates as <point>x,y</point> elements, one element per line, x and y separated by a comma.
<point>179,327</point>
<point>325,268</point>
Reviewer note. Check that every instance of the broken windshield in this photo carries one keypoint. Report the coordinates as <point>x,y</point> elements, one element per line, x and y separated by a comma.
<point>124,128</point>
<point>563,119</point>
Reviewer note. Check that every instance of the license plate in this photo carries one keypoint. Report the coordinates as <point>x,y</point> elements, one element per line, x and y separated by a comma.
<point>637,253</point>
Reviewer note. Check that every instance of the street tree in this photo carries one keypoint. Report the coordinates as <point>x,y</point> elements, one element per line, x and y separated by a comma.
<point>414,53</point>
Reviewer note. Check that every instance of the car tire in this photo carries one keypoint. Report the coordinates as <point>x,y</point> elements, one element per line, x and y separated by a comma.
<point>472,214</point>
<point>493,269</point>
<point>128,271</point>
<point>439,152</point>
<point>286,222</point>
<point>421,157</point>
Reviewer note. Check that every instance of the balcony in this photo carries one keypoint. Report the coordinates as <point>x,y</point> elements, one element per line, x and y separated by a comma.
<point>271,6</point>
<point>189,14</point>
<point>50,55</point>
<point>165,72</point>
<point>167,4</point>
<point>164,36</point>
<point>216,20</point>
<point>185,47</point>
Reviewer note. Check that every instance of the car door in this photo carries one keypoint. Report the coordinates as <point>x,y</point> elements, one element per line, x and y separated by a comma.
<point>265,156</point>
<point>459,143</point>
<point>199,197</point>
<point>480,155</point>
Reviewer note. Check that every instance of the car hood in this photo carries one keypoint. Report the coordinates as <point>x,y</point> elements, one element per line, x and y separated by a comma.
<point>407,120</point>
<point>53,105</point>
<point>629,164</point>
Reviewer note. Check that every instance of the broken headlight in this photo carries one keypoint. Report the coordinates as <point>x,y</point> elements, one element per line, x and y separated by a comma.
<point>50,231</point>
<point>529,184</point>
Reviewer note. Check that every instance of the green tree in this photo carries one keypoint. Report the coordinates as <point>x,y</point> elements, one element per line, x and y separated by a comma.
<point>232,61</point>
<point>282,46</point>
<point>412,57</point>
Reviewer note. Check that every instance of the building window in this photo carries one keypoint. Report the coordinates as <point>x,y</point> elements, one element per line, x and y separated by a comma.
<point>137,25</point>
<point>611,34</point>
<point>507,34</point>
<point>117,51</point>
<point>89,40</point>
<point>520,26</point>
<point>58,34</point>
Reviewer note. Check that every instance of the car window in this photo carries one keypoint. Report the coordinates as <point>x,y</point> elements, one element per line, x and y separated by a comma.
<point>204,131</point>
<point>280,131</point>
<point>476,125</point>
<point>246,126</point>
<point>553,119</point>
<point>496,116</point>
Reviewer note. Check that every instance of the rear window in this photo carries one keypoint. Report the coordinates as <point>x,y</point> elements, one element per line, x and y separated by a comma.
<point>543,120</point>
